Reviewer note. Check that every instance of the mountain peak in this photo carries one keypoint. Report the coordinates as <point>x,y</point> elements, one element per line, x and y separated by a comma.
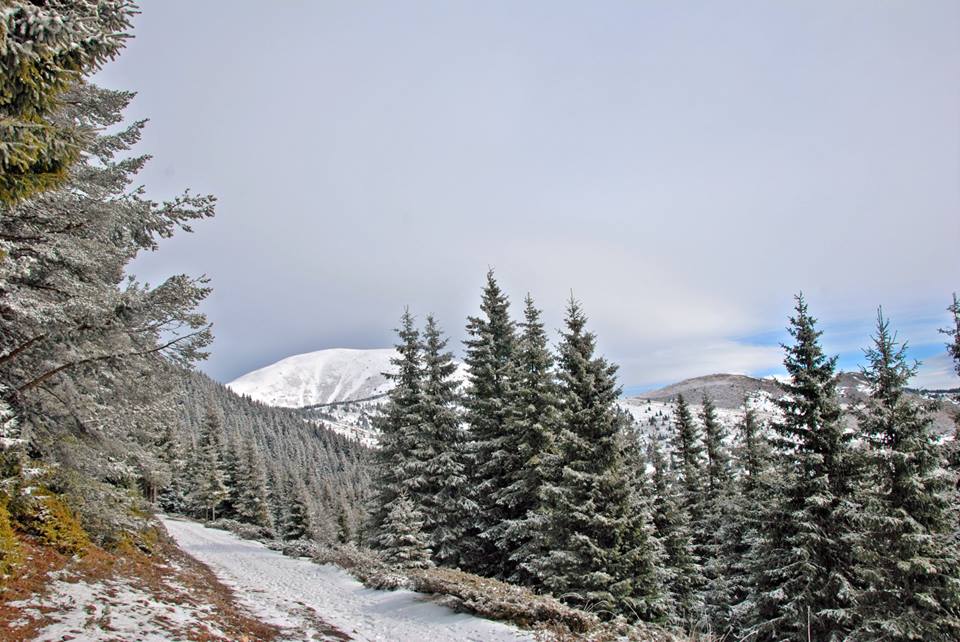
<point>321,377</point>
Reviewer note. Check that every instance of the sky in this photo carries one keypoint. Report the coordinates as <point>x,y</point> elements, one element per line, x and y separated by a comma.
<point>682,168</point>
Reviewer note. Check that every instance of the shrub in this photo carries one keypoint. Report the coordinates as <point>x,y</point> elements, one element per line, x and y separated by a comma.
<point>243,529</point>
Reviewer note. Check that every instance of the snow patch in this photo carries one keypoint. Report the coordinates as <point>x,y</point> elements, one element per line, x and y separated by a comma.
<point>110,610</point>
<point>291,593</point>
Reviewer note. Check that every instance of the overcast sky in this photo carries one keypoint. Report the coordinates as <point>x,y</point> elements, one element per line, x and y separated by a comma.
<point>683,167</point>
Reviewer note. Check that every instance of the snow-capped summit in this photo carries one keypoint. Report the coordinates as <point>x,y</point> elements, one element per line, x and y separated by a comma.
<point>321,377</point>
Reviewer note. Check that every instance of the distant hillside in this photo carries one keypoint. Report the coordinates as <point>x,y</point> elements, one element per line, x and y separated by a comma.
<point>729,391</point>
<point>343,389</point>
<point>726,390</point>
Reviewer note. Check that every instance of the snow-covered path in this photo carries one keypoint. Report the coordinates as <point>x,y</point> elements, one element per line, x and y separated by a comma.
<point>311,601</point>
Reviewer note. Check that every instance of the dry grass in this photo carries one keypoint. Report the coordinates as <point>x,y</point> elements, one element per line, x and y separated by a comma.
<point>165,572</point>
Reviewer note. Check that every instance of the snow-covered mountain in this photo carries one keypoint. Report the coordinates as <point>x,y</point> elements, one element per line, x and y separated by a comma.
<point>321,377</point>
<point>335,376</point>
<point>343,389</point>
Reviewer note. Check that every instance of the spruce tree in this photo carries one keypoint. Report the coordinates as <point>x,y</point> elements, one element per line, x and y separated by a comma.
<point>489,356</point>
<point>230,464</point>
<point>912,565</point>
<point>534,423</point>
<point>804,572</point>
<point>688,457</point>
<point>645,576</point>
<point>251,500</point>
<point>689,464</point>
<point>45,47</point>
<point>396,467</point>
<point>953,349</point>
<point>209,489</point>
<point>443,496</point>
<point>717,514</point>
<point>738,535</point>
<point>718,459</point>
<point>402,542</point>
<point>173,497</point>
<point>586,508</point>
<point>296,522</point>
<point>682,573</point>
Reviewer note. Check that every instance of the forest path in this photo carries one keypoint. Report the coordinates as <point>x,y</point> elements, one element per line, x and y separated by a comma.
<point>309,601</point>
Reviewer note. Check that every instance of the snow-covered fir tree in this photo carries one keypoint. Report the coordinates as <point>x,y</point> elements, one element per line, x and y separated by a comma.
<point>172,498</point>
<point>911,562</point>
<point>953,348</point>
<point>643,558</point>
<point>688,462</point>
<point>441,492</point>
<point>586,505</point>
<point>534,420</point>
<point>805,568</point>
<point>682,574</point>
<point>739,535</point>
<point>209,489</point>
<point>490,350</point>
<point>397,468</point>
<point>230,463</point>
<point>251,496</point>
<point>402,541</point>
<point>718,511</point>
<point>296,523</point>
<point>44,48</point>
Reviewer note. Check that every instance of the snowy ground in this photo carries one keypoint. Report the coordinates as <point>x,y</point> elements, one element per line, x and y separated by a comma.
<point>324,602</point>
<point>111,610</point>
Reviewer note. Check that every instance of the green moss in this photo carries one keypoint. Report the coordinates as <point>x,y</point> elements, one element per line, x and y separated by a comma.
<point>53,522</point>
<point>9,546</point>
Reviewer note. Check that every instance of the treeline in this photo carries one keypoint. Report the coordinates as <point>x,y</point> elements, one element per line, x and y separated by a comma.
<point>812,527</point>
<point>229,457</point>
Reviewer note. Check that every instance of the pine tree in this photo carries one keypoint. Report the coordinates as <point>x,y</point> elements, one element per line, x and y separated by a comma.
<point>230,465</point>
<point>741,531</point>
<point>718,459</point>
<point>534,423</point>
<point>953,348</point>
<point>671,521</point>
<point>402,542</point>
<point>45,47</point>
<point>805,569</point>
<point>251,500</point>
<point>586,508</point>
<point>489,356</point>
<point>173,496</point>
<point>442,496</point>
<point>344,532</point>
<point>645,577</point>
<point>396,468</point>
<point>717,515</point>
<point>688,457</point>
<point>209,489</point>
<point>296,522</point>
<point>689,465</point>
<point>912,564</point>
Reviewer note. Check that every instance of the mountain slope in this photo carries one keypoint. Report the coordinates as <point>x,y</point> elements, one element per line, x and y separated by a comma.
<point>322,377</point>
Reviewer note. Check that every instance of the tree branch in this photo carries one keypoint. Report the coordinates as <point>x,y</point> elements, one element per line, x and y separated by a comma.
<point>46,375</point>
